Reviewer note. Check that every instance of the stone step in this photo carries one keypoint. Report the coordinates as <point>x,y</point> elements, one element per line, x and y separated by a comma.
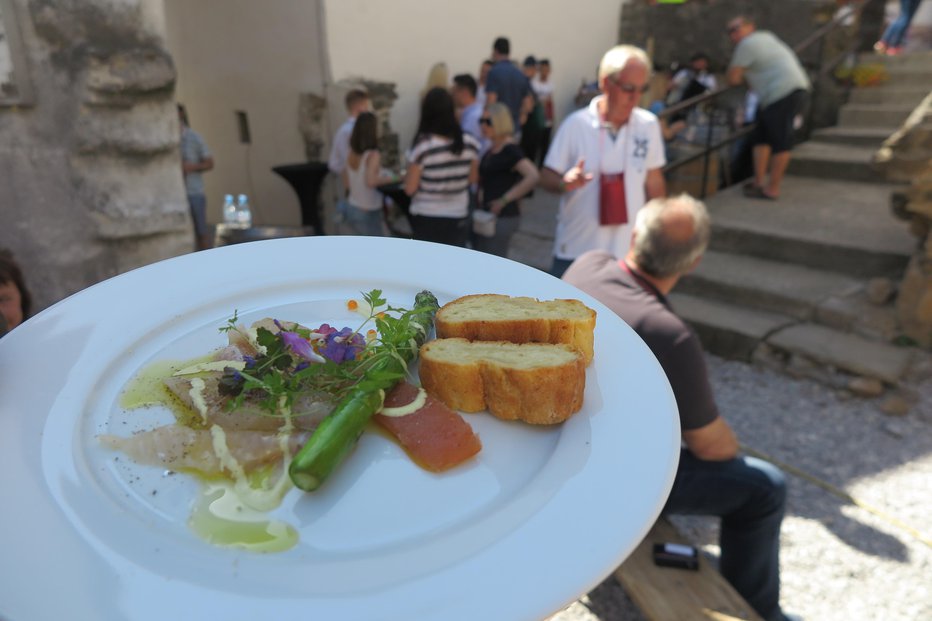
<point>857,136</point>
<point>848,352</point>
<point>736,332</point>
<point>911,60</point>
<point>873,115</point>
<point>833,161</point>
<point>724,329</point>
<point>837,226</point>
<point>775,286</point>
<point>909,76</point>
<point>889,94</point>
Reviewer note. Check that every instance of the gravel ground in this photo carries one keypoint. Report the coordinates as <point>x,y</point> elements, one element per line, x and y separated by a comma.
<point>840,561</point>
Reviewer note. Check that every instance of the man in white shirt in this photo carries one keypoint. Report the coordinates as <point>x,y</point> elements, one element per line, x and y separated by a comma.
<point>605,161</point>
<point>357,101</point>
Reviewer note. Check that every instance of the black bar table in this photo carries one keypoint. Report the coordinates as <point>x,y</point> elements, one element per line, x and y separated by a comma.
<point>306,179</point>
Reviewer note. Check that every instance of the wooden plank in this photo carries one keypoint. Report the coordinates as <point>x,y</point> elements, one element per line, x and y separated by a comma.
<point>670,594</point>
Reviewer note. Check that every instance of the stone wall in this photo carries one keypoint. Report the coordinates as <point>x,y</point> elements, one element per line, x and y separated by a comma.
<point>91,182</point>
<point>907,156</point>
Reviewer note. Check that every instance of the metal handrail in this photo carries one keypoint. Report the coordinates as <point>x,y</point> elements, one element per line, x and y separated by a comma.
<point>817,35</point>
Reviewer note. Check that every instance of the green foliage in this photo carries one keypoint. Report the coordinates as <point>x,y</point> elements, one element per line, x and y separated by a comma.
<point>277,377</point>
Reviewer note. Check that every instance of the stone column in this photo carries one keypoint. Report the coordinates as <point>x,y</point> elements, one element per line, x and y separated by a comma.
<point>91,175</point>
<point>907,156</point>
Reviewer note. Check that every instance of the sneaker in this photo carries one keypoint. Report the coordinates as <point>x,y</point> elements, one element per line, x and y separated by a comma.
<point>880,47</point>
<point>894,51</point>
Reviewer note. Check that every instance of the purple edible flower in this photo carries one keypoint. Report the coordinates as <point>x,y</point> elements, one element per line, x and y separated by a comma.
<point>343,345</point>
<point>299,346</point>
<point>325,330</point>
<point>250,361</point>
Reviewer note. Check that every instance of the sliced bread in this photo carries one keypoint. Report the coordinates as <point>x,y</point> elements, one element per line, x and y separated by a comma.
<point>492,317</point>
<point>538,383</point>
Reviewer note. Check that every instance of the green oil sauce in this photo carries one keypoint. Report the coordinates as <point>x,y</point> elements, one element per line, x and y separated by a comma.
<point>222,519</point>
<point>221,515</point>
<point>148,388</point>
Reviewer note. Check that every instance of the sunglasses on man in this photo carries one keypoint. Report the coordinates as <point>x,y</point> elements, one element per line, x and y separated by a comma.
<point>485,121</point>
<point>626,87</point>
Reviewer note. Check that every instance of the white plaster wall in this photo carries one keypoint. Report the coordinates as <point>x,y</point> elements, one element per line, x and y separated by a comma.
<point>254,56</point>
<point>399,40</point>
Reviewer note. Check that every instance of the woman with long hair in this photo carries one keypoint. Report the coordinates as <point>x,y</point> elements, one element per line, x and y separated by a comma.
<point>442,164</point>
<point>505,175</point>
<point>362,176</point>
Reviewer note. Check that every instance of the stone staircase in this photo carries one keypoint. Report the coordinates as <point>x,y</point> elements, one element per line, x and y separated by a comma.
<point>796,282</point>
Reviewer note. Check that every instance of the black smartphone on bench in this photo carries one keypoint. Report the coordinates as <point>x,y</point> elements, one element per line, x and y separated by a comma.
<point>676,555</point>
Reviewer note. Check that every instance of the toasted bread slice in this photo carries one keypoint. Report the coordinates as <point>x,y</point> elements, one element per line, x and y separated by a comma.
<point>492,317</point>
<point>538,383</point>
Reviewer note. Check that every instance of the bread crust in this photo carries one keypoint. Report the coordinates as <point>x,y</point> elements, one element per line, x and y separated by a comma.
<point>496,376</point>
<point>495,317</point>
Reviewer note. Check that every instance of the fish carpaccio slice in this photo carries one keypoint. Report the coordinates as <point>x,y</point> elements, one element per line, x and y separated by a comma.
<point>308,410</point>
<point>176,447</point>
<point>435,437</point>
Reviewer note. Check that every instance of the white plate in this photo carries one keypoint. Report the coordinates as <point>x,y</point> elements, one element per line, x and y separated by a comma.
<point>541,517</point>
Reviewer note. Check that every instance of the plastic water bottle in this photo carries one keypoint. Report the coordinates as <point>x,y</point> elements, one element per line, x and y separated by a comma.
<point>243,212</point>
<point>229,209</point>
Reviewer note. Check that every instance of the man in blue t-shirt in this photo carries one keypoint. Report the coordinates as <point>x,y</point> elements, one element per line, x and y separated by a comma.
<point>508,84</point>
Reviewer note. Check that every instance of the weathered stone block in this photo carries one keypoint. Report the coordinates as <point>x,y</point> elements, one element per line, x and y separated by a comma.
<point>880,290</point>
<point>149,128</point>
<point>143,192</point>
<point>312,112</point>
<point>865,386</point>
<point>895,405</point>
<point>914,303</point>
<point>130,72</point>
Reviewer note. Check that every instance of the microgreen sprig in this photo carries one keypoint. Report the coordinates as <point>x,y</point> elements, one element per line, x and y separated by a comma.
<point>326,362</point>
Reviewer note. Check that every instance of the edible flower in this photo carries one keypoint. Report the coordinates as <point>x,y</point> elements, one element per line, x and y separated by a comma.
<point>343,345</point>
<point>299,346</point>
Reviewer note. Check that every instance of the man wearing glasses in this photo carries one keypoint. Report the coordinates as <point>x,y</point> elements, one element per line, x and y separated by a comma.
<point>605,162</point>
<point>772,70</point>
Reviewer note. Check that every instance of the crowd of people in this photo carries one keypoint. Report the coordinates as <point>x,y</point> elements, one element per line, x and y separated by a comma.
<point>465,160</point>
<point>484,143</point>
<point>474,156</point>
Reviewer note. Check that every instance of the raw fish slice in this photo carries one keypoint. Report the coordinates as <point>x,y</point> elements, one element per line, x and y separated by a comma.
<point>176,447</point>
<point>435,437</point>
<point>307,410</point>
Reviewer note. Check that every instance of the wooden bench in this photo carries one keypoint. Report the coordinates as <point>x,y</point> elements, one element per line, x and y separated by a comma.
<point>671,594</point>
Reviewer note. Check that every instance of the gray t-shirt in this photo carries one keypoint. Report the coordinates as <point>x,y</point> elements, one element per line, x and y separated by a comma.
<point>646,310</point>
<point>771,68</point>
<point>193,150</point>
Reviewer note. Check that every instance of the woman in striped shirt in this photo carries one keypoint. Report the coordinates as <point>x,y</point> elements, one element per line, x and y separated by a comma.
<point>442,165</point>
